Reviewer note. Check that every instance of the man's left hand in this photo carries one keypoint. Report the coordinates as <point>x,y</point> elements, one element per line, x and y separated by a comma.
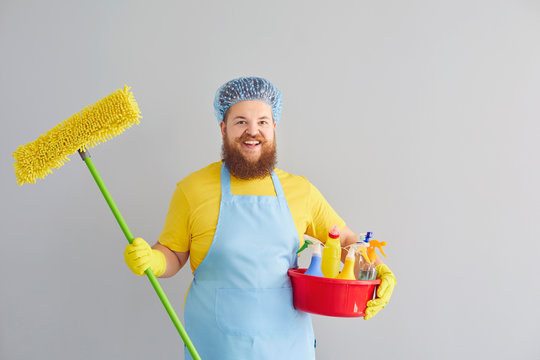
<point>384,292</point>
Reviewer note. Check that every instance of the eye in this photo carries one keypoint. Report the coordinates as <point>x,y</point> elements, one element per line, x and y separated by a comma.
<point>241,122</point>
<point>263,122</point>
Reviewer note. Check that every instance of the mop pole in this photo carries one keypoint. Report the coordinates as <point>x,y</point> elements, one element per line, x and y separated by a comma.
<point>125,229</point>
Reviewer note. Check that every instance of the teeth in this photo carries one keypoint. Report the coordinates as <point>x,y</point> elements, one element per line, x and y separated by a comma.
<point>251,142</point>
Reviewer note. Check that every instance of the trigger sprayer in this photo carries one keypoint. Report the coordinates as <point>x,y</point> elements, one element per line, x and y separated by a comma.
<point>314,268</point>
<point>368,256</point>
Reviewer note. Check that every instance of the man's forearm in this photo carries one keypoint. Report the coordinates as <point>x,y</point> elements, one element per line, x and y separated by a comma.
<point>175,260</point>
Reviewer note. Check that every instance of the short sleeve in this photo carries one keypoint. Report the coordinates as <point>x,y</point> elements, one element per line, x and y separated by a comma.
<point>176,231</point>
<point>322,215</point>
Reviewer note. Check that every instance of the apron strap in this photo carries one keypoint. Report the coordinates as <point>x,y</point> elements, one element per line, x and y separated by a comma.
<point>279,190</point>
<point>225,182</point>
<point>226,186</point>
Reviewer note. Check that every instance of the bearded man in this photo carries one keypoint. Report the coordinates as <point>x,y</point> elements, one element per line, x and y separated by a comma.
<point>240,221</point>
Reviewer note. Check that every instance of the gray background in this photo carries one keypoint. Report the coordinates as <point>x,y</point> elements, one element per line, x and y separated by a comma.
<point>417,120</point>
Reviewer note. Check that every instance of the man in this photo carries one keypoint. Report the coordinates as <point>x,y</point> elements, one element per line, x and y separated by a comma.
<point>240,221</point>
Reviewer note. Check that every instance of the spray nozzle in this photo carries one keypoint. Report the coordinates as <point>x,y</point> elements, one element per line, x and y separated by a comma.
<point>359,248</point>
<point>309,241</point>
<point>366,246</point>
<point>375,244</point>
<point>352,249</point>
<point>304,246</point>
<point>365,237</point>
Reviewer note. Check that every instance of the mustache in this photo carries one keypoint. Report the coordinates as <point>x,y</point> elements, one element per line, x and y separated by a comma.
<point>247,137</point>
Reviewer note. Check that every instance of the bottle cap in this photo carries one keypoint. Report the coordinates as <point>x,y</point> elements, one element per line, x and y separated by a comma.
<point>334,232</point>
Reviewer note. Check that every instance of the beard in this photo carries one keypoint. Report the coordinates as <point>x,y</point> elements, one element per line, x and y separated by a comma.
<point>243,168</point>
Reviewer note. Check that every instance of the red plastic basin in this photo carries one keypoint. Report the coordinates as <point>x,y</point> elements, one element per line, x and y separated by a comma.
<point>331,297</point>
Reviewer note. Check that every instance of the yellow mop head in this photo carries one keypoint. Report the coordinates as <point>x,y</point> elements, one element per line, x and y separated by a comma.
<point>91,126</point>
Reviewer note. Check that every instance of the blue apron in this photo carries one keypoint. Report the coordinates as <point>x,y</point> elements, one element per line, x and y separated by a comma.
<point>239,304</point>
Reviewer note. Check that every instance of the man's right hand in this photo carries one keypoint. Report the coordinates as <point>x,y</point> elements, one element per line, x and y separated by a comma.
<point>139,256</point>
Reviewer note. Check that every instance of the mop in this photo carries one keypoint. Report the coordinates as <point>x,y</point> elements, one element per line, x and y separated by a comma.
<point>91,126</point>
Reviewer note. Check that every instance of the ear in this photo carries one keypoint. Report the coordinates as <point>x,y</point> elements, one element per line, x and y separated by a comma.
<point>275,123</point>
<point>223,127</point>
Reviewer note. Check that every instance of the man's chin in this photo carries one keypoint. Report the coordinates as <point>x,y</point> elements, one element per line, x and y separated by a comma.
<point>251,159</point>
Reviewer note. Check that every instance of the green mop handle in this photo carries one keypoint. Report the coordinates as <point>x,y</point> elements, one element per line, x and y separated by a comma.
<point>153,280</point>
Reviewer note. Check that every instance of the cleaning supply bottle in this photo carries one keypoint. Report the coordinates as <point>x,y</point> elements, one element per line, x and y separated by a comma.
<point>368,257</point>
<point>347,273</point>
<point>366,266</point>
<point>331,254</point>
<point>314,268</point>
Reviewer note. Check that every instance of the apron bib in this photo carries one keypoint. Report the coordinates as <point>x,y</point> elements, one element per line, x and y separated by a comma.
<point>239,304</point>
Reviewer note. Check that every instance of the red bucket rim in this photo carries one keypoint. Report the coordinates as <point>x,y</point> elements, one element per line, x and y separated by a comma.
<point>299,273</point>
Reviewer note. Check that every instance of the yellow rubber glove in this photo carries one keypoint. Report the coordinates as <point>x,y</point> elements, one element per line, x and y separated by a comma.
<point>384,292</point>
<point>139,256</point>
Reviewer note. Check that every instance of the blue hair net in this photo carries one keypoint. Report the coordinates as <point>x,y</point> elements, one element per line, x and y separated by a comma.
<point>247,88</point>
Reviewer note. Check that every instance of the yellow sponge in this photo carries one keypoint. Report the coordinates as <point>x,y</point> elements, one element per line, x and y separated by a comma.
<point>91,126</point>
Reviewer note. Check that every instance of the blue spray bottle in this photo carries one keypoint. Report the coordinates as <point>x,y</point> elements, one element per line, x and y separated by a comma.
<point>314,268</point>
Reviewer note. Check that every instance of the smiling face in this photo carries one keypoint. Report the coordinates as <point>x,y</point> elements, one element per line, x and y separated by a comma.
<point>249,139</point>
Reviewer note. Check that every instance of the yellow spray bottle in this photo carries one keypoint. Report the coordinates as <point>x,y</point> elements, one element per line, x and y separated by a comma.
<point>347,273</point>
<point>331,257</point>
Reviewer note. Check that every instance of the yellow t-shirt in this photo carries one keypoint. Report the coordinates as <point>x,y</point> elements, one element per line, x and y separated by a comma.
<point>193,213</point>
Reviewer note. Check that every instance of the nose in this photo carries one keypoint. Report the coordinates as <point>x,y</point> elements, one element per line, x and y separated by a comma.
<point>252,129</point>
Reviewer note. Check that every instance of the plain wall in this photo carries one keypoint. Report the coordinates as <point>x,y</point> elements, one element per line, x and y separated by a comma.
<point>417,120</point>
